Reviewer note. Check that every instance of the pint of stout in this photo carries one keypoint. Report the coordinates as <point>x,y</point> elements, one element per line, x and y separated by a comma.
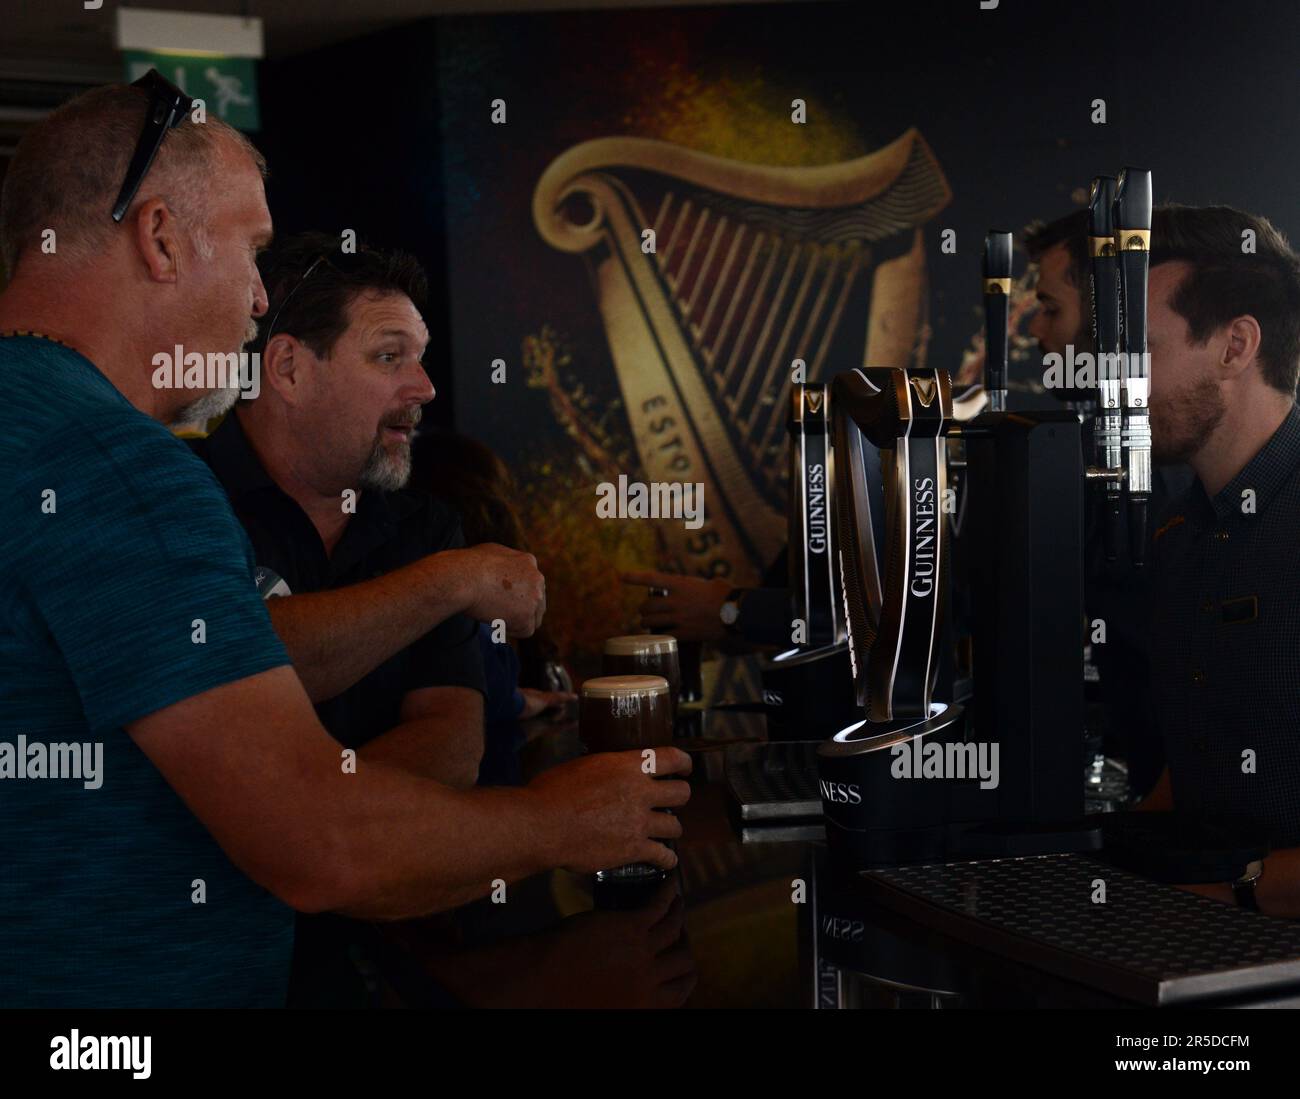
<point>619,713</point>
<point>646,654</point>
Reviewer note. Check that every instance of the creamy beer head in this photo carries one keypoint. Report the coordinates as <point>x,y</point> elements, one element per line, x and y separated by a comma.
<point>640,644</point>
<point>645,654</point>
<point>625,686</point>
<point>618,712</point>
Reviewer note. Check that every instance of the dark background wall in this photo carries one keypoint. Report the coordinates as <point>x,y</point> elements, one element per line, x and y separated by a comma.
<point>391,136</point>
<point>1202,93</point>
<point>351,135</point>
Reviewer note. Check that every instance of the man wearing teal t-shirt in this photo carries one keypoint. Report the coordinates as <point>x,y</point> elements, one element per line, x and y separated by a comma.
<point>166,792</point>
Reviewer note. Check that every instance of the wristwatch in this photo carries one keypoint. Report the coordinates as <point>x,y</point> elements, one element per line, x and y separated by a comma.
<point>730,611</point>
<point>1243,889</point>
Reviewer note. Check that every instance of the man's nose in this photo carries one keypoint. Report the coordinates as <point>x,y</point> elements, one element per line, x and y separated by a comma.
<point>421,384</point>
<point>260,302</point>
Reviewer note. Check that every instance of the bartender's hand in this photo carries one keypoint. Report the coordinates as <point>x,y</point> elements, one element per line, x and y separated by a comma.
<point>691,611</point>
<point>501,583</point>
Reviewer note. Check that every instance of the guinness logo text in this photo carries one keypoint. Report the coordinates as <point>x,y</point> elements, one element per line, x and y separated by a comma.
<point>816,508</point>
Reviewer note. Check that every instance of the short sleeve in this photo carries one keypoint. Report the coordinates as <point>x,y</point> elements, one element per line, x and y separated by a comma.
<point>128,554</point>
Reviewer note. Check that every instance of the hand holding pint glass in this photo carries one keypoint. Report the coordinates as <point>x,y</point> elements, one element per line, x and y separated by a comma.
<point>617,713</point>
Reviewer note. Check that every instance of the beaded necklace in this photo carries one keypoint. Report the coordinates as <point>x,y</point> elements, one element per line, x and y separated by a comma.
<point>10,333</point>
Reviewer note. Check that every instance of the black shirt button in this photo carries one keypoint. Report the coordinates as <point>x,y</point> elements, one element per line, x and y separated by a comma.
<point>1207,606</point>
<point>1198,676</point>
<point>1221,535</point>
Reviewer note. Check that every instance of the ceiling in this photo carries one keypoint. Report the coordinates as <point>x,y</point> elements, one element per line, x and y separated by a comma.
<point>39,34</point>
<point>51,50</point>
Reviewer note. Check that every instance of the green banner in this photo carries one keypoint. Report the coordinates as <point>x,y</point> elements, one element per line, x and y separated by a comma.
<point>227,85</point>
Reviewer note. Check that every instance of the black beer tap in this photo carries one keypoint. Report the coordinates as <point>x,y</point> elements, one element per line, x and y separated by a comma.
<point>1133,247</point>
<point>1108,416</point>
<point>997,312</point>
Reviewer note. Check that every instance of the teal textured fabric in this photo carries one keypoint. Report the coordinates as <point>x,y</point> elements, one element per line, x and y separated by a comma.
<point>125,586</point>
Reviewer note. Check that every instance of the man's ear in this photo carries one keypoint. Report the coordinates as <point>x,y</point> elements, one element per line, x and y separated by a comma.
<point>1242,347</point>
<point>286,364</point>
<point>157,239</point>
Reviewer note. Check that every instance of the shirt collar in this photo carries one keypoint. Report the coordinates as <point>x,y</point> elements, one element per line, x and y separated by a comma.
<point>1265,473</point>
<point>233,459</point>
<point>236,465</point>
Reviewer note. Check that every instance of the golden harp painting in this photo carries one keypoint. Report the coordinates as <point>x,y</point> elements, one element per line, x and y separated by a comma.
<point>661,259</point>
<point>716,281</point>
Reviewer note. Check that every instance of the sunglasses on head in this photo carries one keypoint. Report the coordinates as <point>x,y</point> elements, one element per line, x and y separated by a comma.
<point>341,263</point>
<point>167,106</point>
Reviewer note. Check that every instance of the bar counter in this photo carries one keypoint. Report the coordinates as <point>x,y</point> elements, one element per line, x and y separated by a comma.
<point>757,915</point>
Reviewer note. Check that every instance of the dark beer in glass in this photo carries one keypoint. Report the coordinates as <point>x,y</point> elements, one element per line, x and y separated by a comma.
<point>646,654</point>
<point>623,713</point>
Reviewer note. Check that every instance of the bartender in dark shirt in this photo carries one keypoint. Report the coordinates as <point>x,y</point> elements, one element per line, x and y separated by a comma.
<point>380,600</point>
<point>1225,353</point>
<point>1115,592</point>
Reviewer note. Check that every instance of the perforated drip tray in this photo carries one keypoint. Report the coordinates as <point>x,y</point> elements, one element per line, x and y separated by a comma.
<point>774,781</point>
<point>1150,943</point>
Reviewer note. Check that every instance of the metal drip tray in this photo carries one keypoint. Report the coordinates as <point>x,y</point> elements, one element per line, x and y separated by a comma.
<point>774,781</point>
<point>1150,943</point>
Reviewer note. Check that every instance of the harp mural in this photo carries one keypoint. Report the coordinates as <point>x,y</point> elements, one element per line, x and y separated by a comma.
<point>772,243</point>
<point>715,279</point>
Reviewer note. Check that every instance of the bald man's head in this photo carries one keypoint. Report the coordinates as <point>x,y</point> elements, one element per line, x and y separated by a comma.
<point>69,167</point>
<point>178,272</point>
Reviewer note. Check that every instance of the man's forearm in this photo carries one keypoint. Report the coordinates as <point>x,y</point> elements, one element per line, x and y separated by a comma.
<point>335,638</point>
<point>274,789</point>
<point>446,748</point>
<point>406,818</point>
<point>1161,797</point>
<point>1277,892</point>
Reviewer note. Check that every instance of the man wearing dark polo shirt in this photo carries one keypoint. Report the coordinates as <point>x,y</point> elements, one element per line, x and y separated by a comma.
<point>316,479</point>
<point>315,469</point>
<point>167,795</point>
<point>1225,354</point>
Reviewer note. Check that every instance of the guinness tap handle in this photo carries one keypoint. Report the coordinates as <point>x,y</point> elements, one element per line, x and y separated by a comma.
<point>1101,246</point>
<point>997,312</point>
<point>1108,422</point>
<point>1133,246</point>
<point>1133,243</point>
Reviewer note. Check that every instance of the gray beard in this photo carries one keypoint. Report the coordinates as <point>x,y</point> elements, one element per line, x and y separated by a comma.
<point>208,407</point>
<point>384,471</point>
